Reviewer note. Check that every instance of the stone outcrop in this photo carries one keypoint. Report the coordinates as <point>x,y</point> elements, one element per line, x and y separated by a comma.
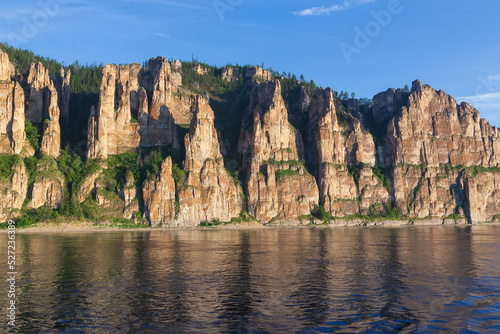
<point>48,187</point>
<point>335,149</point>
<point>386,105</point>
<point>200,70</point>
<point>432,129</point>
<point>42,105</point>
<point>258,73</point>
<point>157,122</point>
<point>12,135</point>
<point>483,196</point>
<point>208,192</point>
<point>36,93</point>
<point>423,192</point>
<point>278,185</point>
<point>62,87</point>
<point>429,144</point>
<point>128,196</point>
<point>51,140</point>
<point>176,65</point>
<point>228,74</point>
<point>13,190</point>
<point>110,128</point>
<point>159,196</point>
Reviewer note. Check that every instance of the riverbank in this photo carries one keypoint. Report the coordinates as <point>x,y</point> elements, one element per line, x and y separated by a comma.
<point>87,226</point>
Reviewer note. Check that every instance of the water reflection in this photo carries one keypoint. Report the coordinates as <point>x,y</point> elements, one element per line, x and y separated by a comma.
<point>260,281</point>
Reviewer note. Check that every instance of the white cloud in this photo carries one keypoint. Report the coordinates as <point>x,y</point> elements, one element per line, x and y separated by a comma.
<point>489,101</point>
<point>320,11</point>
<point>162,35</point>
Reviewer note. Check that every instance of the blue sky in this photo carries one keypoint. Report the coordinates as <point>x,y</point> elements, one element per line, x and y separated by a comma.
<point>361,46</point>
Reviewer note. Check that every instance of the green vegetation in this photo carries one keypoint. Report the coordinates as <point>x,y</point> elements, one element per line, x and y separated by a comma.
<point>383,176</point>
<point>474,170</point>
<point>6,164</point>
<point>291,163</point>
<point>455,216</point>
<point>280,174</point>
<point>354,171</point>
<point>33,134</point>
<point>320,212</point>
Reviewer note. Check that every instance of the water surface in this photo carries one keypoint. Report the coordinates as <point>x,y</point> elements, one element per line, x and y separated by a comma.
<point>349,280</point>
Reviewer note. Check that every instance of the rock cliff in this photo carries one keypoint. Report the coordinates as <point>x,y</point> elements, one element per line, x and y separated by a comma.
<point>209,193</point>
<point>48,187</point>
<point>278,184</point>
<point>159,196</point>
<point>62,86</point>
<point>157,121</point>
<point>12,135</point>
<point>434,146</point>
<point>111,129</point>
<point>414,154</point>
<point>432,129</point>
<point>345,156</point>
<point>13,190</point>
<point>42,105</point>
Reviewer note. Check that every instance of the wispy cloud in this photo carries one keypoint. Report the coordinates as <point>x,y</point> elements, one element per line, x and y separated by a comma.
<point>159,34</point>
<point>484,101</point>
<point>320,11</point>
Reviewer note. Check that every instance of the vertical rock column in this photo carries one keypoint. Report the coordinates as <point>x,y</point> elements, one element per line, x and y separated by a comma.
<point>278,185</point>
<point>159,196</point>
<point>209,192</point>
<point>42,106</point>
<point>12,135</point>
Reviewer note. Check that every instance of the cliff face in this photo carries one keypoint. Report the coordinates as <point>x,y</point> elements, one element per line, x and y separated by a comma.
<point>483,196</point>
<point>110,128</point>
<point>48,187</point>
<point>159,196</point>
<point>429,144</point>
<point>134,110</point>
<point>51,140</point>
<point>209,192</point>
<point>62,86</point>
<point>156,120</point>
<point>13,190</point>
<point>12,136</point>
<point>278,185</point>
<point>335,149</point>
<point>42,105</point>
<point>423,155</point>
<point>432,130</point>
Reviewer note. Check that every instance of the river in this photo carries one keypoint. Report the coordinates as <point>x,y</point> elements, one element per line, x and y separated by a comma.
<point>347,280</point>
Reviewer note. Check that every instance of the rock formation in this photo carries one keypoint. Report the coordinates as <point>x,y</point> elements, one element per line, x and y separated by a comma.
<point>278,184</point>
<point>51,140</point>
<point>429,143</point>
<point>13,190</point>
<point>36,93</point>
<point>62,86</point>
<point>111,129</point>
<point>335,149</point>
<point>42,105</point>
<point>159,196</point>
<point>48,187</point>
<point>432,130</point>
<point>157,123</point>
<point>483,196</point>
<point>209,192</point>
<point>12,135</point>
<point>128,196</point>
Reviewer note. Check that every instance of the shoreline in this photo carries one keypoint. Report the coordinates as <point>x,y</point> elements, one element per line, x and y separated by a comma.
<point>83,226</point>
